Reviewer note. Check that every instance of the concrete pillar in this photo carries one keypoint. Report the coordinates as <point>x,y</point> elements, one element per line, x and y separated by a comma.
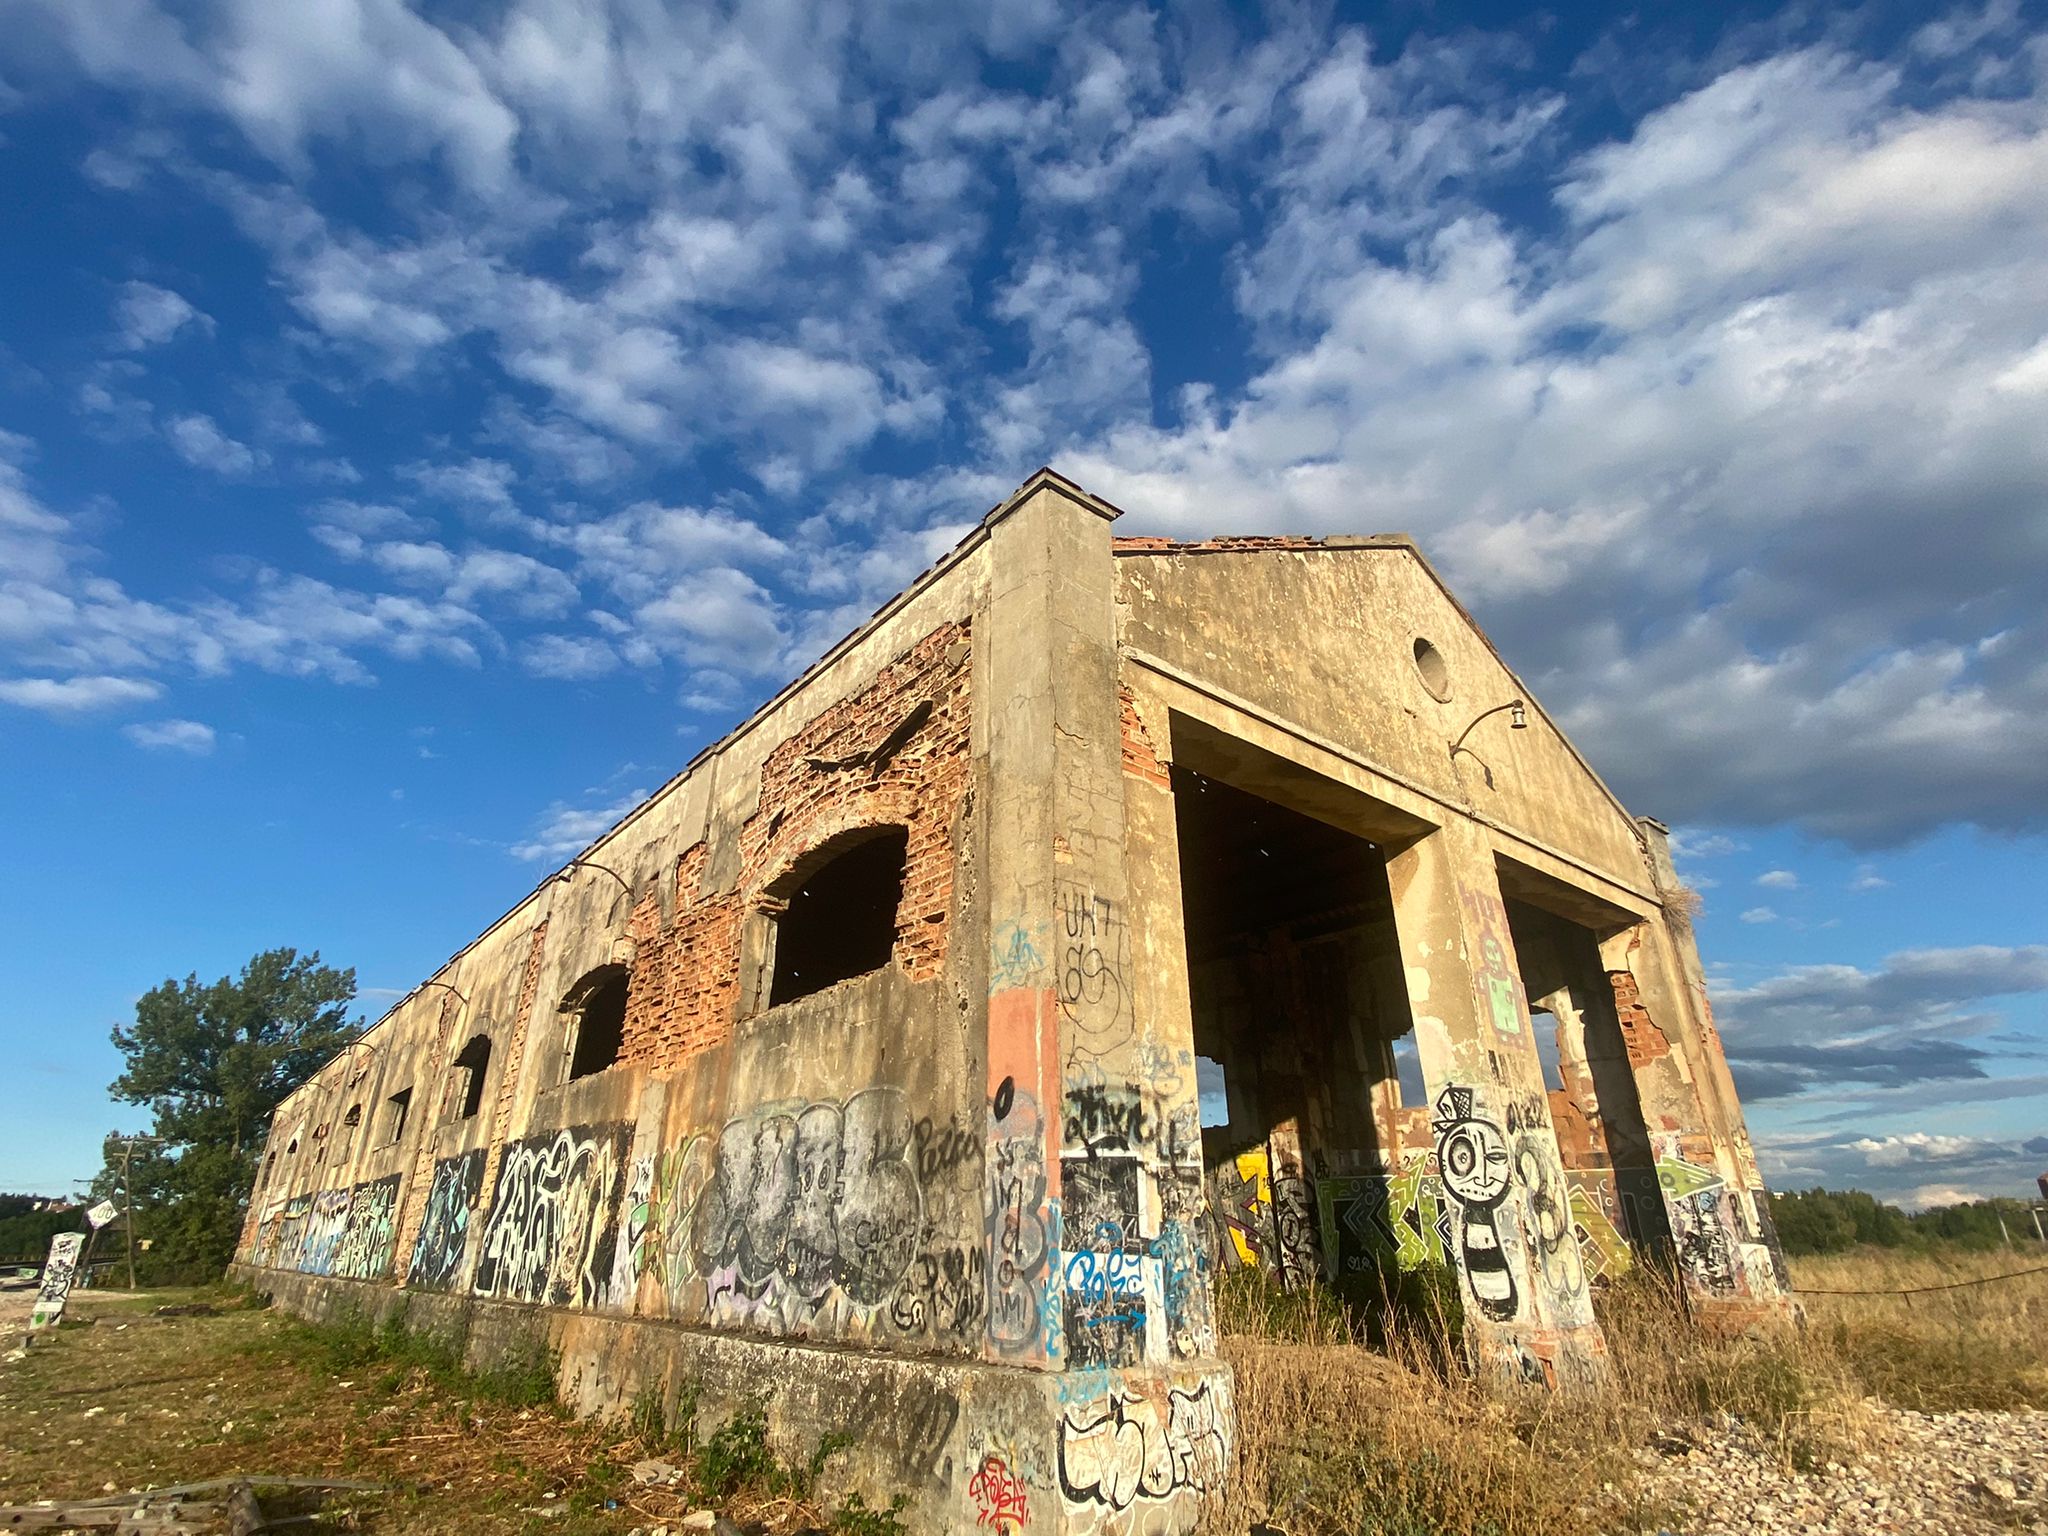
<point>1091,1242</point>
<point>1714,1198</point>
<point>1527,1311</point>
<point>1055,892</point>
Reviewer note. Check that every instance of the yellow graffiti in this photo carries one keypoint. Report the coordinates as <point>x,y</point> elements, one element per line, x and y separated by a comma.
<point>1601,1244</point>
<point>1255,1199</point>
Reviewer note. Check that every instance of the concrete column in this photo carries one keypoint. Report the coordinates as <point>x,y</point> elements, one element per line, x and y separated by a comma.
<point>1168,1128</point>
<point>1713,1194</point>
<point>1055,891</point>
<point>1527,1311</point>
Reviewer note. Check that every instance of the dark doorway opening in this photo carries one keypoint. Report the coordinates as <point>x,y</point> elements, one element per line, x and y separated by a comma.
<point>1300,1003</point>
<point>840,921</point>
<point>598,1005</point>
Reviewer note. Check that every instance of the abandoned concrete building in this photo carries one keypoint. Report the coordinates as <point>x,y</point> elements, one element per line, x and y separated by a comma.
<point>1103,916</point>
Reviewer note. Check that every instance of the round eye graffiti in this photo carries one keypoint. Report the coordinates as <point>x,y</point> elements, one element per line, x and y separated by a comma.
<point>1475,1163</point>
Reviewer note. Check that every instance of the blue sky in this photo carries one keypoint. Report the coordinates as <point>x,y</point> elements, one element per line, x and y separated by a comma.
<point>422,428</point>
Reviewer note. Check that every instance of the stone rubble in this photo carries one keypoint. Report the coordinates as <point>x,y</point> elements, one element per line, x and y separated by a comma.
<point>1942,1474</point>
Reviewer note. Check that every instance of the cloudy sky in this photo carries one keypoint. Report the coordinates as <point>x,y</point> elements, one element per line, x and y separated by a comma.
<point>422,428</point>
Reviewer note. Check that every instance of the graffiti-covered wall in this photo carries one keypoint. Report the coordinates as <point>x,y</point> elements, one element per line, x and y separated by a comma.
<point>866,1064</point>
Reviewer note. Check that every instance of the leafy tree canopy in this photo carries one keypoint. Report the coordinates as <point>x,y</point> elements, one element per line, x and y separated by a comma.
<point>212,1060</point>
<point>1831,1220</point>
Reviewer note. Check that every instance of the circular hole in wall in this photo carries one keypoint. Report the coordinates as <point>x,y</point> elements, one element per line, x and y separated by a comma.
<point>1429,666</point>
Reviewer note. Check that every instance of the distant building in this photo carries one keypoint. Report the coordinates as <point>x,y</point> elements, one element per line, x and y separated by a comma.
<point>1102,915</point>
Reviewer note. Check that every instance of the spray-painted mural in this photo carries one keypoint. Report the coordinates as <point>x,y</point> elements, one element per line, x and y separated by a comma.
<point>553,1225</point>
<point>1144,1454</point>
<point>443,1241</point>
<point>806,1200</point>
<point>326,1221</point>
<point>370,1231</point>
<point>1022,1209</point>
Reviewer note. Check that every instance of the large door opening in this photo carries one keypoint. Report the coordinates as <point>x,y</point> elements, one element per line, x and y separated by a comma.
<point>1311,1101</point>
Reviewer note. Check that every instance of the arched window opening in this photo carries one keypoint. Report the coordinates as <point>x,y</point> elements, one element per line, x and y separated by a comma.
<point>840,921</point>
<point>471,1065</point>
<point>353,1118</point>
<point>597,1006</point>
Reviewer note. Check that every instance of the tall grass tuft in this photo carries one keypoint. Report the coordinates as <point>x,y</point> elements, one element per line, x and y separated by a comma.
<point>1398,1438</point>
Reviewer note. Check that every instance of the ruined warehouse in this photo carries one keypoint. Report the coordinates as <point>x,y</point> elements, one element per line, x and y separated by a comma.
<point>1103,916</point>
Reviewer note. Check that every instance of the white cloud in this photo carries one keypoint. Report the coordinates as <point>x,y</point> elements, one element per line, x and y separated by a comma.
<point>570,658</point>
<point>76,695</point>
<point>719,618</point>
<point>1929,1196</point>
<point>478,482</point>
<point>566,829</point>
<point>1778,880</point>
<point>187,736</point>
<point>1759,915</point>
<point>1669,435</point>
<point>1918,1147</point>
<point>148,316</point>
<point>200,442</point>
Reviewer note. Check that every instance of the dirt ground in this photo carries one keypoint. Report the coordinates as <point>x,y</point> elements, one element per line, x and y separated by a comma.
<point>119,1399</point>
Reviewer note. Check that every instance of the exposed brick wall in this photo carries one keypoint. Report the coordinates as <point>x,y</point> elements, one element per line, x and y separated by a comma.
<point>1639,1032</point>
<point>429,1102</point>
<point>515,1054</point>
<point>832,777</point>
<point>1139,759</point>
<point>1150,544</point>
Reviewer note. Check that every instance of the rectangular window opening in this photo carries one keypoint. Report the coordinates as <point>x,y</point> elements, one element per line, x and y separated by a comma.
<point>1408,1084</point>
<point>840,920</point>
<point>400,1108</point>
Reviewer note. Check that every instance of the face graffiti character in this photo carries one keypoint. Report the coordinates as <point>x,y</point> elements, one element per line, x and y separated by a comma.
<point>1472,1156</point>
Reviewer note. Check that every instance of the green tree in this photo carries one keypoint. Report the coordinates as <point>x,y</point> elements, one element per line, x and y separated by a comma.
<point>1828,1221</point>
<point>212,1060</point>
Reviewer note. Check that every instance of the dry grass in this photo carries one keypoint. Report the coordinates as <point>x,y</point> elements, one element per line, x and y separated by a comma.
<point>1334,1438</point>
<point>122,1400</point>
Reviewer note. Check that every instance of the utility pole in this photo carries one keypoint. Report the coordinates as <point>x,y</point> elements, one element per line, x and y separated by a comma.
<point>128,1144</point>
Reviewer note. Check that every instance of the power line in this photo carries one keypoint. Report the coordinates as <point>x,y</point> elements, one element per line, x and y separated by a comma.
<point>1921,1290</point>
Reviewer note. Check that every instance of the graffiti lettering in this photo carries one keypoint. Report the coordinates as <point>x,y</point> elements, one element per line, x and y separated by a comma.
<point>1120,1452</point>
<point>1089,975</point>
<point>942,1148</point>
<point>944,1293</point>
<point>370,1233</point>
<point>1103,1271</point>
<point>326,1220</point>
<point>58,1272</point>
<point>1001,1502</point>
<point>443,1240</point>
<point>553,1229</point>
<point>811,1196</point>
<point>1014,959</point>
<point>1017,1240</point>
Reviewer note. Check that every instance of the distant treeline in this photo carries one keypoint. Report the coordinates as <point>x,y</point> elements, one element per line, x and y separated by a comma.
<point>25,1232</point>
<point>1830,1220</point>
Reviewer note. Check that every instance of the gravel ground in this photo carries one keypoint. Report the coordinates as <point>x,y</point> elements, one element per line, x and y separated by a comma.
<point>1946,1473</point>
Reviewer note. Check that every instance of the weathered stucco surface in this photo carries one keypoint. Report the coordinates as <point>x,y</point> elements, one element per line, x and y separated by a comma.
<point>963,1206</point>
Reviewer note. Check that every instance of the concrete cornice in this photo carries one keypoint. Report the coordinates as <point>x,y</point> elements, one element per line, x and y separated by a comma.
<point>1049,479</point>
